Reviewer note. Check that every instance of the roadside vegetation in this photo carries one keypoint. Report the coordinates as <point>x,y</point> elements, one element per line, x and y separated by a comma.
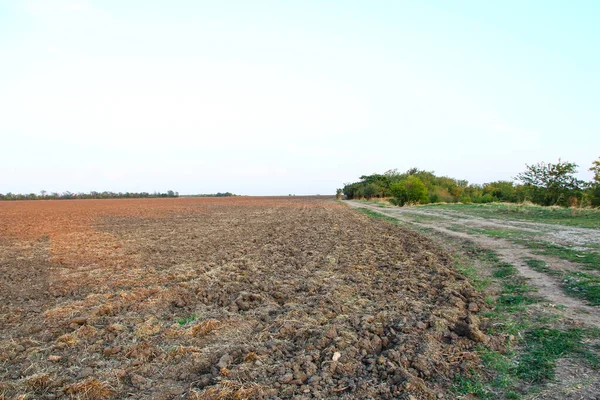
<point>545,184</point>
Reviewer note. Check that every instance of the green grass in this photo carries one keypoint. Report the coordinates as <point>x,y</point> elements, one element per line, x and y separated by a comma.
<point>576,284</point>
<point>515,294</point>
<point>422,217</point>
<point>470,385</point>
<point>532,360</point>
<point>584,286</point>
<point>504,271</point>
<point>377,202</point>
<point>375,214</point>
<point>458,228</point>
<point>510,234</point>
<point>589,259</point>
<point>187,320</point>
<point>586,218</point>
<point>544,346</point>
<point>503,364</point>
<point>473,276</point>
<point>541,266</point>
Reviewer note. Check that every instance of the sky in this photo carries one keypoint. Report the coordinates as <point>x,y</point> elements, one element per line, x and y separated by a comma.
<point>291,97</point>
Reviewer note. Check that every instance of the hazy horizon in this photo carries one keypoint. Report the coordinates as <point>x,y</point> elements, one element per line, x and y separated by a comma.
<point>277,98</point>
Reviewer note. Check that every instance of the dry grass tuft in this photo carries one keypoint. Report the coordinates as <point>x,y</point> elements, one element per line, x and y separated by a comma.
<point>142,351</point>
<point>38,382</point>
<point>86,331</point>
<point>90,389</point>
<point>68,339</point>
<point>106,309</point>
<point>228,390</point>
<point>115,328</point>
<point>205,327</point>
<point>250,357</point>
<point>149,328</point>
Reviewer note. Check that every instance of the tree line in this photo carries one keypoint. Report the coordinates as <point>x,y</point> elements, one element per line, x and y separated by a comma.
<point>91,195</point>
<point>542,183</point>
<point>218,194</point>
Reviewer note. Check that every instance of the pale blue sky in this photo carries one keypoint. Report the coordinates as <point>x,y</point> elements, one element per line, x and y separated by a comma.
<point>278,97</point>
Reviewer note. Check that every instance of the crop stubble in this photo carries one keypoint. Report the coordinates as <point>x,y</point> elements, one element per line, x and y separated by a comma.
<point>218,298</point>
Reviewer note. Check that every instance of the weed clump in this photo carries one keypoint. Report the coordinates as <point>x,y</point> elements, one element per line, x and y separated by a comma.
<point>38,382</point>
<point>227,390</point>
<point>90,389</point>
<point>205,327</point>
<point>68,339</point>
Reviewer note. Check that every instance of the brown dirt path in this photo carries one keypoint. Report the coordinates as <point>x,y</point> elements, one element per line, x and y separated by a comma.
<point>515,255</point>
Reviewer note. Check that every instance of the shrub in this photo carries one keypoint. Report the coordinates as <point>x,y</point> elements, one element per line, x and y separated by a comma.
<point>411,189</point>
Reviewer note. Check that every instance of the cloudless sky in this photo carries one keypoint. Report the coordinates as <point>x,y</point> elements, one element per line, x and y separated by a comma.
<point>278,97</point>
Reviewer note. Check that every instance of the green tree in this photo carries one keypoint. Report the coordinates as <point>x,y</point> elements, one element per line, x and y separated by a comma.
<point>596,170</point>
<point>370,190</point>
<point>409,190</point>
<point>594,185</point>
<point>551,184</point>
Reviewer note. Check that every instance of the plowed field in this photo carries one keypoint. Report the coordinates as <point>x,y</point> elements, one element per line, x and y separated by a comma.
<point>226,298</point>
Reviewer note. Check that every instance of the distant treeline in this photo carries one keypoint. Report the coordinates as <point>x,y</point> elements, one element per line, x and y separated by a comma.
<point>542,183</point>
<point>226,194</point>
<point>91,195</point>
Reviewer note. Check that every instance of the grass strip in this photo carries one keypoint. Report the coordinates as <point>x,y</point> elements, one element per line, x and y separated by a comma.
<point>583,286</point>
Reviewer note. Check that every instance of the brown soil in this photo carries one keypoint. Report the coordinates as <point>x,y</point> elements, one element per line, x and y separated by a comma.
<point>226,298</point>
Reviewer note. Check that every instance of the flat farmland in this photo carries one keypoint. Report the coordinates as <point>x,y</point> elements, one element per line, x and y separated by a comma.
<point>240,297</point>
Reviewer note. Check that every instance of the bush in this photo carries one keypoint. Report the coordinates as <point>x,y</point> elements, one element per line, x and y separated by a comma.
<point>487,198</point>
<point>411,189</point>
